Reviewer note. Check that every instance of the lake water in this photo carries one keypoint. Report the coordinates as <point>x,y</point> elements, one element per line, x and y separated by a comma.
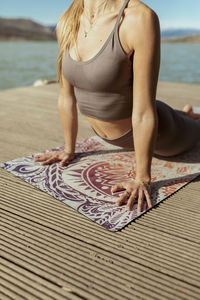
<point>22,63</point>
<point>180,62</point>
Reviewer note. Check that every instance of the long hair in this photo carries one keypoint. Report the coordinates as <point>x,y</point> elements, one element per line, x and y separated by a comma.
<point>67,30</point>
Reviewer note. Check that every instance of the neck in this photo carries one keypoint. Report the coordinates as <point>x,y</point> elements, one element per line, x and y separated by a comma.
<point>96,7</point>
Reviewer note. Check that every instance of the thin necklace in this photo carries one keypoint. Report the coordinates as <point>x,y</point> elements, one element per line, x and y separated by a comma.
<point>86,32</point>
<point>90,21</point>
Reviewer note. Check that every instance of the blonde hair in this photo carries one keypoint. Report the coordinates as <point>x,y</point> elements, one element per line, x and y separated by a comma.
<point>66,30</point>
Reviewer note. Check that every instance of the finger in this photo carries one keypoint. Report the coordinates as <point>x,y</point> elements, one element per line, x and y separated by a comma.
<point>131,201</point>
<point>148,199</point>
<point>64,162</point>
<point>49,161</point>
<point>140,201</point>
<point>41,157</point>
<point>117,187</point>
<point>36,157</point>
<point>123,199</point>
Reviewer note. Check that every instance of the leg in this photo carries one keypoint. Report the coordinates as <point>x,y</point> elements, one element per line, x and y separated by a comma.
<point>177,132</point>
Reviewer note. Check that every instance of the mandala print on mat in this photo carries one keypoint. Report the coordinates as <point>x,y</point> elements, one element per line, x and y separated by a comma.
<point>85,184</point>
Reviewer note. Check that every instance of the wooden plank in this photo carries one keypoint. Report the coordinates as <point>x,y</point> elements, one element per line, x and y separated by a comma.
<point>47,247</point>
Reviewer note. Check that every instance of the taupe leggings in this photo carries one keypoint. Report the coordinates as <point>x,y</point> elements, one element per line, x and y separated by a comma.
<point>177,132</point>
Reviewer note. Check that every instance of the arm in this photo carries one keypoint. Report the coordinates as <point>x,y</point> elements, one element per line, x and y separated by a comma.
<point>69,119</point>
<point>67,103</point>
<point>68,115</point>
<point>146,70</point>
<point>144,40</point>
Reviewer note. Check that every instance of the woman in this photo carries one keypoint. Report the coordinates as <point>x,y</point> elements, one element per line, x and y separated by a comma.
<point>109,59</point>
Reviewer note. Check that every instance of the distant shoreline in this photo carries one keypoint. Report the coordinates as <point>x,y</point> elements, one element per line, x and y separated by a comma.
<point>185,40</point>
<point>25,30</point>
<point>193,39</point>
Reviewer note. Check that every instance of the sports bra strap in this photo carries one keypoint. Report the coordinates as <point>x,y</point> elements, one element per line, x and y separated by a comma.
<point>120,13</point>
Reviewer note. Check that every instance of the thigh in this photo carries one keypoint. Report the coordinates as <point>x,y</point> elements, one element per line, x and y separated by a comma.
<point>177,132</point>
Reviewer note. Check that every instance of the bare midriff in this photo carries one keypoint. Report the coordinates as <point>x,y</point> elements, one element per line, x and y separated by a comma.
<point>112,129</point>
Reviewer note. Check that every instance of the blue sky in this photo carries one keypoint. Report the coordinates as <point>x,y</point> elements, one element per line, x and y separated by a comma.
<point>172,13</point>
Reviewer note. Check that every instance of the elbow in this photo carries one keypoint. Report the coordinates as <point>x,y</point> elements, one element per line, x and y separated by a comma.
<point>147,119</point>
<point>141,118</point>
<point>65,103</point>
<point>60,104</point>
<point>61,101</point>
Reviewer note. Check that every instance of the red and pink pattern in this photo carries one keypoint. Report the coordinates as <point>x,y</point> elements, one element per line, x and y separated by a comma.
<point>85,184</point>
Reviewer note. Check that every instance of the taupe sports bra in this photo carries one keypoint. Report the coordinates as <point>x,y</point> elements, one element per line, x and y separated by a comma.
<point>103,85</point>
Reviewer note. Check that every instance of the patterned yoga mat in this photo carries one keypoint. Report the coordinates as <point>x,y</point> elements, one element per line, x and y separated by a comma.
<point>86,182</point>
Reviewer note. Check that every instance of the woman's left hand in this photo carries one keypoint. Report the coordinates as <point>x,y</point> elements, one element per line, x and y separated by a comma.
<point>135,191</point>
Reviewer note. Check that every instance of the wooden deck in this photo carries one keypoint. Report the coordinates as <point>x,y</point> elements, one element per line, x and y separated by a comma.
<point>49,251</point>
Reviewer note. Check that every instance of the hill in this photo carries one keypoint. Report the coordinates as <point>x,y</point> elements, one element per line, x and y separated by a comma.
<point>178,32</point>
<point>25,29</point>
<point>194,38</point>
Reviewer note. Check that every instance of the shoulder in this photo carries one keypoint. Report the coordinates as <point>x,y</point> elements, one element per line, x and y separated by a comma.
<point>138,13</point>
<point>144,23</point>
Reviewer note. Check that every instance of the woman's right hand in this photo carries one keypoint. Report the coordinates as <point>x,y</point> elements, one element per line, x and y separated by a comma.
<point>49,158</point>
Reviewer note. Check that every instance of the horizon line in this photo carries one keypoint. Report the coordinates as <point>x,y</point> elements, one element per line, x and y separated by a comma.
<point>169,27</point>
